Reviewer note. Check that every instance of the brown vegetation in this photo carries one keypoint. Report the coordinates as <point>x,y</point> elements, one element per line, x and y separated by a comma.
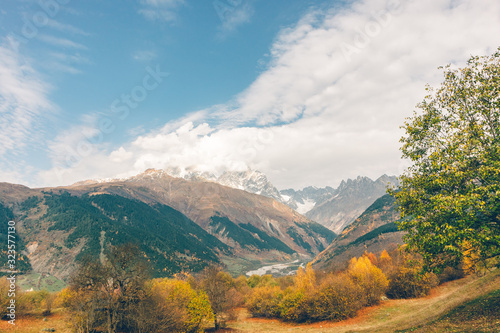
<point>117,296</point>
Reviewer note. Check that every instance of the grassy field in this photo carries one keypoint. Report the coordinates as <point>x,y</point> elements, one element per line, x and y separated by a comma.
<point>39,282</point>
<point>468,305</point>
<point>479,315</point>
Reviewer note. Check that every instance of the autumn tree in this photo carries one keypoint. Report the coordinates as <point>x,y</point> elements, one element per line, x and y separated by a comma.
<point>369,277</point>
<point>449,198</point>
<point>337,298</point>
<point>385,261</point>
<point>265,301</point>
<point>407,280</point>
<point>106,292</point>
<point>219,287</point>
<point>174,306</point>
<point>305,280</point>
<point>84,298</point>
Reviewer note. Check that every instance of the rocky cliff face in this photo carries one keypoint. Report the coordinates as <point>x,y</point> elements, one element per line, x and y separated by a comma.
<point>306,199</point>
<point>348,201</point>
<point>251,181</point>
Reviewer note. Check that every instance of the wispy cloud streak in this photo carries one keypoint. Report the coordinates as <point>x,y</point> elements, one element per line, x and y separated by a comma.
<point>160,10</point>
<point>23,99</point>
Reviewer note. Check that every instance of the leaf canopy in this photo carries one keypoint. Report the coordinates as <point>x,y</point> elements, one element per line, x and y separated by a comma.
<point>450,197</point>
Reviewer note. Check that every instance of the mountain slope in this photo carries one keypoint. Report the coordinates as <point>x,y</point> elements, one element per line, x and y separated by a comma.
<point>180,224</point>
<point>8,238</point>
<point>202,201</point>
<point>373,231</point>
<point>61,229</point>
<point>252,181</point>
<point>334,208</point>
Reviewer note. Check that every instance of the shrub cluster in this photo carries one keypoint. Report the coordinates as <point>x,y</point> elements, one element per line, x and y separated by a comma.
<point>336,297</point>
<point>25,302</point>
<point>310,296</point>
<point>408,281</point>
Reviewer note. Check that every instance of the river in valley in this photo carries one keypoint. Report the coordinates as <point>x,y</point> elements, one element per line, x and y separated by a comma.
<point>279,269</point>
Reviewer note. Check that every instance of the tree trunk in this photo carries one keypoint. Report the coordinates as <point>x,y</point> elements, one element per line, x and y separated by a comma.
<point>110,330</point>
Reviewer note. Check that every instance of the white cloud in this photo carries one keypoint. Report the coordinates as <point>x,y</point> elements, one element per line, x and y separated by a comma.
<point>160,10</point>
<point>232,15</point>
<point>23,101</point>
<point>144,55</point>
<point>64,68</point>
<point>68,56</point>
<point>75,58</point>
<point>62,42</point>
<point>331,101</point>
<point>64,27</point>
<point>77,142</point>
<point>120,155</point>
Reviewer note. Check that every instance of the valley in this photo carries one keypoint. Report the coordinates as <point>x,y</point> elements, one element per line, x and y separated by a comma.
<point>181,224</point>
<point>199,219</point>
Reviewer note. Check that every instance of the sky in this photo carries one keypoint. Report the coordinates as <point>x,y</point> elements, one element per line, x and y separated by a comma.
<point>308,92</point>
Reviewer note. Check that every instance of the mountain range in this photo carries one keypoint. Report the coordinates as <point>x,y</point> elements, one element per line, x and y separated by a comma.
<point>349,201</point>
<point>335,208</point>
<point>181,225</point>
<point>183,220</point>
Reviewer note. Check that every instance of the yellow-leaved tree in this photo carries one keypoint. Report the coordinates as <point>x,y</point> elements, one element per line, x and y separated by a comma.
<point>192,307</point>
<point>369,277</point>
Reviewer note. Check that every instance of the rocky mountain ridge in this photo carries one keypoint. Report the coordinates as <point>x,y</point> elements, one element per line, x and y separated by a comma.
<point>335,208</point>
<point>349,201</point>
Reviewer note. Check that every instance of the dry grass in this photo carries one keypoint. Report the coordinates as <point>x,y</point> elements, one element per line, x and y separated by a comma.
<point>389,316</point>
<point>59,321</point>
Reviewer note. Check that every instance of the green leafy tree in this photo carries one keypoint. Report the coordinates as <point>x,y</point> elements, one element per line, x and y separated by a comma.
<point>450,197</point>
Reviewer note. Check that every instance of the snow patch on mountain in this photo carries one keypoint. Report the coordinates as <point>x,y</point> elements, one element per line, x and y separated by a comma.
<point>303,208</point>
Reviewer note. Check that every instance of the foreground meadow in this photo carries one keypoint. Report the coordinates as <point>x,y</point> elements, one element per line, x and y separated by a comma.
<point>471,304</point>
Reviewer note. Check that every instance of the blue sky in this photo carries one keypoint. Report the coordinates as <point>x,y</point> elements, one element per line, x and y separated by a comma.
<point>309,92</point>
